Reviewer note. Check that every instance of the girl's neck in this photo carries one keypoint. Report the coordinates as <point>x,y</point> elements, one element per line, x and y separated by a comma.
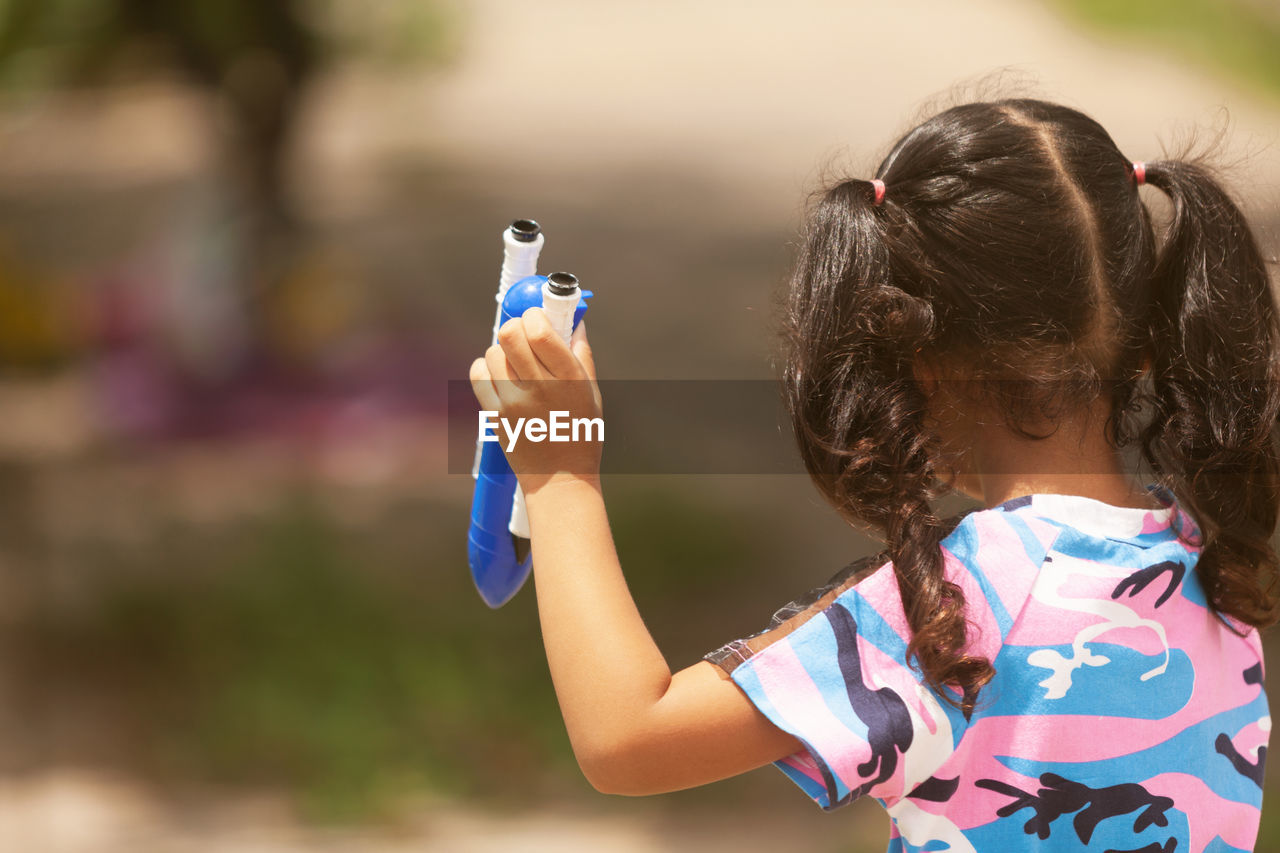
<point>1075,460</point>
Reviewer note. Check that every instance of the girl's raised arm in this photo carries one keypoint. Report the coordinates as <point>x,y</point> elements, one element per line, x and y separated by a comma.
<point>635,727</point>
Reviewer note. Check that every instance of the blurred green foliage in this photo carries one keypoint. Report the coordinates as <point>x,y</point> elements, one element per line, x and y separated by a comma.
<point>352,666</point>
<point>289,653</point>
<point>1241,37</point>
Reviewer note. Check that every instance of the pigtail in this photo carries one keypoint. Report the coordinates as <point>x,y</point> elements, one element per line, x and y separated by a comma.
<point>1213,343</point>
<point>859,414</point>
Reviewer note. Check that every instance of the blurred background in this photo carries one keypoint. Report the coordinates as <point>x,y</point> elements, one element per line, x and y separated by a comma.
<point>243,246</point>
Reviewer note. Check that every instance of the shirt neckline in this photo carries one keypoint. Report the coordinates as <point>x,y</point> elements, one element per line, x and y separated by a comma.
<point>1095,517</point>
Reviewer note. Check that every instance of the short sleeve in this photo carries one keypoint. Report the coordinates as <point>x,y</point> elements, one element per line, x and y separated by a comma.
<point>835,675</point>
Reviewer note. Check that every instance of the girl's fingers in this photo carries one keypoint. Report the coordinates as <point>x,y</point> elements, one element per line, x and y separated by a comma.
<point>482,385</point>
<point>548,346</point>
<point>514,339</point>
<point>582,349</point>
<point>499,371</point>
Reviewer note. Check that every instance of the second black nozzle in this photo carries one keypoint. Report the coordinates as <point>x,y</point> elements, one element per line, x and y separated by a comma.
<point>562,283</point>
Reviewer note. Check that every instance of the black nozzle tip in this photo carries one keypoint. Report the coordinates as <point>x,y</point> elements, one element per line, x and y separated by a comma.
<point>562,283</point>
<point>525,230</point>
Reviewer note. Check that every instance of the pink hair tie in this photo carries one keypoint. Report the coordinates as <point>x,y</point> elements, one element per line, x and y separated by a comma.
<point>879,185</point>
<point>1140,171</point>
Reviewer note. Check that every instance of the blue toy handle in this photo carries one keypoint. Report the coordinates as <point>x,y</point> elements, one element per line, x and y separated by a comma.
<point>500,561</point>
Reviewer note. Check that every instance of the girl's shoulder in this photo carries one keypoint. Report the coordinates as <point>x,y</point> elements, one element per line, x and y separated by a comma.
<point>799,611</point>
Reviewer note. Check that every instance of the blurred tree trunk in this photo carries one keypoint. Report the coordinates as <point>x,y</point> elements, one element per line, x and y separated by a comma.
<point>254,57</point>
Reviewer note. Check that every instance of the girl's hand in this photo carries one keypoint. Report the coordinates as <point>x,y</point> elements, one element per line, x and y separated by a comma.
<point>529,375</point>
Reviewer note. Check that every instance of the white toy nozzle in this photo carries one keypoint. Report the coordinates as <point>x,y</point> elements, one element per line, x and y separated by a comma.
<point>560,297</point>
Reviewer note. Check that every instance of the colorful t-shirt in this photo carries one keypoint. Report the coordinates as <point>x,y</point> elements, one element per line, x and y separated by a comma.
<point>1123,715</point>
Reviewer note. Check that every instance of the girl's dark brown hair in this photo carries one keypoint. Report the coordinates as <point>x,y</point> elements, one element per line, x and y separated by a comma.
<point>1012,239</point>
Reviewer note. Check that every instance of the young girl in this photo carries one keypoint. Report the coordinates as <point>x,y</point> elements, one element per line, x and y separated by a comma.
<point>1075,665</point>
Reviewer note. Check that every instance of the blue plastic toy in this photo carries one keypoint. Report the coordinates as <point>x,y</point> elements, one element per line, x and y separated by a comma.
<point>500,559</point>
